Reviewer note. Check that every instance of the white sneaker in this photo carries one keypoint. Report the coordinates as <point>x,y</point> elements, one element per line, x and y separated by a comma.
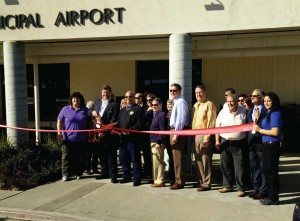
<point>65,178</point>
<point>78,177</point>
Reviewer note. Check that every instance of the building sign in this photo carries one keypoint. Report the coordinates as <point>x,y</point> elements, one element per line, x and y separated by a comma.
<point>67,19</point>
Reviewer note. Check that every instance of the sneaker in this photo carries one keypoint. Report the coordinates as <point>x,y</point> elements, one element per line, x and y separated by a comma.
<point>65,178</point>
<point>226,190</point>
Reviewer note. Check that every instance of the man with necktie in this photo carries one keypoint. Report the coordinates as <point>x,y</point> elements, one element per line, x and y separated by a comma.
<point>256,115</point>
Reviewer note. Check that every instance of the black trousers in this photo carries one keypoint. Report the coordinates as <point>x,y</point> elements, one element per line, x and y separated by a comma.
<point>271,156</point>
<point>107,150</point>
<point>73,158</point>
<point>256,166</point>
<point>233,163</point>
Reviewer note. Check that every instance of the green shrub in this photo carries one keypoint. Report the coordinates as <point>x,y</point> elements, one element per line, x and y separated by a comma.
<point>29,165</point>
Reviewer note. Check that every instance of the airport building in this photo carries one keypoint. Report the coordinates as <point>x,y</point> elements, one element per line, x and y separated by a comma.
<point>50,49</point>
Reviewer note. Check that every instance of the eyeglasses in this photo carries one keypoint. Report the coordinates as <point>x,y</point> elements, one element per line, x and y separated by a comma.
<point>137,97</point>
<point>173,90</point>
<point>148,100</point>
<point>241,100</point>
<point>128,96</point>
<point>155,105</point>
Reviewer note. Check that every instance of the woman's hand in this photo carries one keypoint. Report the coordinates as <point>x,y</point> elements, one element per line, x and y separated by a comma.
<point>256,128</point>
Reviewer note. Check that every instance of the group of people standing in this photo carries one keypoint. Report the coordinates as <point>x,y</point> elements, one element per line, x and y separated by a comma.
<point>242,154</point>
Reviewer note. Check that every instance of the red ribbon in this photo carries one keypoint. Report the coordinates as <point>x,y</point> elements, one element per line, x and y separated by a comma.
<point>115,130</point>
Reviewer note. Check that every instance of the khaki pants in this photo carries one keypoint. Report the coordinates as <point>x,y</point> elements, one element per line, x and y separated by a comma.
<point>158,163</point>
<point>178,150</point>
<point>203,157</point>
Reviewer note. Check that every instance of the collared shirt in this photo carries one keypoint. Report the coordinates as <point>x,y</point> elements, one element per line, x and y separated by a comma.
<point>204,116</point>
<point>275,122</point>
<point>74,120</point>
<point>180,114</point>
<point>226,118</point>
<point>259,111</point>
<point>104,104</point>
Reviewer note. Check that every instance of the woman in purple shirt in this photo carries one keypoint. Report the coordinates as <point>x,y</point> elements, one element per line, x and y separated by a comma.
<point>73,117</point>
<point>271,131</point>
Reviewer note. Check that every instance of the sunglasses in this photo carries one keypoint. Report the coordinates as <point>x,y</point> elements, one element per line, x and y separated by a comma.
<point>148,100</point>
<point>155,105</point>
<point>173,90</point>
<point>241,100</point>
<point>128,96</point>
<point>254,96</point>
<point>137,98</point>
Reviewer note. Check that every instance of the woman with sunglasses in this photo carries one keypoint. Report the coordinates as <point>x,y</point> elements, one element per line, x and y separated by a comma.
<point>271,130</point>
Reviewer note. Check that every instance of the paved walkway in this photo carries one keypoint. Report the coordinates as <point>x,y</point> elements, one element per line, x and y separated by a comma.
<point>90,199</point>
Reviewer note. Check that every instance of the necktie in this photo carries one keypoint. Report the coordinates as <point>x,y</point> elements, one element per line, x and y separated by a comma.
<point>256,114</point>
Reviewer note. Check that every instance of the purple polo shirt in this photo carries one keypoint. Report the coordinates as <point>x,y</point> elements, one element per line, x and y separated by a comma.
<point>159,122</point>
<point>74,120</point>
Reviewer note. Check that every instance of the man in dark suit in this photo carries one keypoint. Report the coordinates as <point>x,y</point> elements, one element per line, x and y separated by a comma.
<point>107,109</point>
<point>256,114</point>
<point>131,117</point>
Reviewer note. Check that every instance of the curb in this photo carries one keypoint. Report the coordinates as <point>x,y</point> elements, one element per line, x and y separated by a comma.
<point>31,215</point>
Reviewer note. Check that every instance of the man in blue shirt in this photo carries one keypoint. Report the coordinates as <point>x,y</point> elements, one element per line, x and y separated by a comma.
<point>179,120</point>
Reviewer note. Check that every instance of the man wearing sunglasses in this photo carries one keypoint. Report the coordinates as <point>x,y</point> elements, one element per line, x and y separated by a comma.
<point>256,115</point>
<point>131,117</point>
<point>158,143</point>
<point>179,120</point>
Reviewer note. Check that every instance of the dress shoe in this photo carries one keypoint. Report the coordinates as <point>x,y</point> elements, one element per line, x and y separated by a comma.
<point>89,173</point>
<point>203,188</point>
<point>136,183</point>
<point>176,186</point>
<point>162,184</point>
<point>259,196</point>
<point>124,181</point>
<point>253,193</point>
<point>267,202</point>
<point>172,182</point>
<point>226,190</point>
<point>102,177</point>
<point>241,194</point>
<point>114,180</point>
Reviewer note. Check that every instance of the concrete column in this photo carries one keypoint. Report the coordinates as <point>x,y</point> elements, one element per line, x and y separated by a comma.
<point>180,64</point>
<point>37,102</point>
<point>180,71</point>
<point>15,90</point>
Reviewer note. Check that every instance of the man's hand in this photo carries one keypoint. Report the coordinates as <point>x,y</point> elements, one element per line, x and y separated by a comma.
<point>94,114</point>
<point>205,144</point>
<point>174,139</point>
<point>218,146</point>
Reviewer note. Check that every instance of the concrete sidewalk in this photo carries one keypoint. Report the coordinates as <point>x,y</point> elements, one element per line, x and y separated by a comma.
<point>90,199</point>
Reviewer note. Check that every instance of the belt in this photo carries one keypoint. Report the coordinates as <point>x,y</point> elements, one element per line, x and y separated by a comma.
<point>233,141</point>
<point>270,142</point>
<point>184,128</point>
